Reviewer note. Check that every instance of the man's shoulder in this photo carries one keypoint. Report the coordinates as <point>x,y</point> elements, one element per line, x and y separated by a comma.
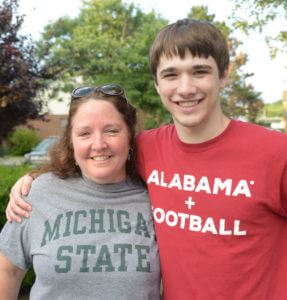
<point>261,129</point>
<point>260,134</point>
<point>155,133</point>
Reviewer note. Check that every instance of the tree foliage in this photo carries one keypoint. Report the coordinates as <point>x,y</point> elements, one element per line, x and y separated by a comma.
<point>274,109</point>
<point>238,98</point>
<point>21,74</point>
<point>257,15</point>
<point>109,41</point>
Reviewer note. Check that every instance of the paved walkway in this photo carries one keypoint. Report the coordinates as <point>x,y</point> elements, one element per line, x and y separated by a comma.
<point>11,161</point>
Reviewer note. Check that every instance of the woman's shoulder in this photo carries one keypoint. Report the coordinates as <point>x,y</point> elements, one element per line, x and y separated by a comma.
<point>45,179</point>
<point>51,182</point>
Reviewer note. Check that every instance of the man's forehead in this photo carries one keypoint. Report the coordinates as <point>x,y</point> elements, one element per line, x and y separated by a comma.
<point>168,61</point>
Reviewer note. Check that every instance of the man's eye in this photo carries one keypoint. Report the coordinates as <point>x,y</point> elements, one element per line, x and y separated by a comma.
<point>169,75</point>
<point>201,72</point>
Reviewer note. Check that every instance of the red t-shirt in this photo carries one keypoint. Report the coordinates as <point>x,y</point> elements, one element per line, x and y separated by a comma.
<point>220,211</point>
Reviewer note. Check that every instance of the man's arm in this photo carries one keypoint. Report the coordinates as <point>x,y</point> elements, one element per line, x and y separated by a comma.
<point>17,208</point>
<point>10,279</point>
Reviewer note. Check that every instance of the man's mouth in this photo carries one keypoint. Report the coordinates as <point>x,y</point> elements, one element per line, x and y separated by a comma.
<point>188,103</point>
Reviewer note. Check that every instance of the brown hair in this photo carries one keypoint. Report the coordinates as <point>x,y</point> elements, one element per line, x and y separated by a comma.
<point>200,38</point>
<point>62,161</point>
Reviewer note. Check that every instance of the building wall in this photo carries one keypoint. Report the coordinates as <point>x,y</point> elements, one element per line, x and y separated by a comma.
<point>53,125</point>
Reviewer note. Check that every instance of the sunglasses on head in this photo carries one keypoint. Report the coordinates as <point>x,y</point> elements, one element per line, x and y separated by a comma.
<point>111,89</point>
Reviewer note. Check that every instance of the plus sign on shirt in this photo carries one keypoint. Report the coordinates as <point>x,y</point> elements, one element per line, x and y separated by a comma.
<point>189,202</point>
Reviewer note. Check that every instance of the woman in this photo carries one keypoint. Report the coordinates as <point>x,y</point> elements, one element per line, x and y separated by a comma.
<point>90,235</point>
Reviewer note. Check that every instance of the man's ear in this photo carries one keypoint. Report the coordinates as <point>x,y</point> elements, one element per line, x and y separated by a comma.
<point>156,86</point>
<point>224,79</point>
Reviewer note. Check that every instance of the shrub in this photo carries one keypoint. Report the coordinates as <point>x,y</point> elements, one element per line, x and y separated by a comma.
<point>3,150</point>
<point>9,175</point>
<point>21,141</point>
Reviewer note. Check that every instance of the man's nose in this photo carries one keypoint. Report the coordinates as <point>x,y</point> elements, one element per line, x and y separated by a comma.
<point>186,86</point>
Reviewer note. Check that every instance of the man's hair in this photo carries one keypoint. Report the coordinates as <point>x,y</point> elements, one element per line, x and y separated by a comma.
<point>200,38</point>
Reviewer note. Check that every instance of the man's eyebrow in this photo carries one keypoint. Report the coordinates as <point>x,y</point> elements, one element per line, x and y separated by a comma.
<point>195,67</point>
<point>167,70</point>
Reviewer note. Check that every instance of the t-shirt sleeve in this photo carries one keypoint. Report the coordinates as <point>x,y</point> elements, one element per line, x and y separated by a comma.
<point>15,243</point>
<point>140,156</point>
<point>284,191</point>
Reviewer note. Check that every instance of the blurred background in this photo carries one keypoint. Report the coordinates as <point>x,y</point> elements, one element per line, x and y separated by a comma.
<point>47,48</point>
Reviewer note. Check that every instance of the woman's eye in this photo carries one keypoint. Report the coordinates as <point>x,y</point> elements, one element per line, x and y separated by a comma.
<point>84,133</point>
<point>112,131</point>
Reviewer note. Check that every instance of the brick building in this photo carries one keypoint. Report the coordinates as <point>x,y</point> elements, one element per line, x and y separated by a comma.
<point>53,125</point>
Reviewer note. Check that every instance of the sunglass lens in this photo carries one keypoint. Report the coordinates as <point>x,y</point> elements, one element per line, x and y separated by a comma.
<point>112,89</point>
<point>82,91</point>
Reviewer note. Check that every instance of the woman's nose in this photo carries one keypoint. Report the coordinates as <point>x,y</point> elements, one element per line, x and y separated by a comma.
<point>99,142</point>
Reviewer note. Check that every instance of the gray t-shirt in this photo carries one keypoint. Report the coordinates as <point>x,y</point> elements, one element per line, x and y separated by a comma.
<point>86,241</point>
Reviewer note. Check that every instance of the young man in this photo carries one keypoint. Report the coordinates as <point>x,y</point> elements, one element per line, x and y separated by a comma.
<point>217,186</point>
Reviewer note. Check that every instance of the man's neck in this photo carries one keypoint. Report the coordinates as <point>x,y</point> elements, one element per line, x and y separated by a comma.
<point>204,133</point>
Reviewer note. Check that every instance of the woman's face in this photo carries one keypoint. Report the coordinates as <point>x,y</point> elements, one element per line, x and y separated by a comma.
<point>101,141</point>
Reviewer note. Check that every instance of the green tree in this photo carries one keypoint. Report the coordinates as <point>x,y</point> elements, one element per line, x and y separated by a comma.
<point>22,76</point>
<point>274,109</point>
<point>238,98</point>
<point>108,41</point>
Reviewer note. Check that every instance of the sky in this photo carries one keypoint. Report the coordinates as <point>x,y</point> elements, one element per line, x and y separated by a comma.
<point>270,75</point>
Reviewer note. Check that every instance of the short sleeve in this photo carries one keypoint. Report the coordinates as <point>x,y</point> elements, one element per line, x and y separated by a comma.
<point>15,243</point>
<point>140,157</point>
<point>283,191</point>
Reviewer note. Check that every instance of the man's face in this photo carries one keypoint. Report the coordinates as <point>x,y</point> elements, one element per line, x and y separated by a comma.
<point>189,89</point>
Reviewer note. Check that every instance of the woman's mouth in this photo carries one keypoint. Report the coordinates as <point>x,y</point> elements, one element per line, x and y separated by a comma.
<point>101,158</point>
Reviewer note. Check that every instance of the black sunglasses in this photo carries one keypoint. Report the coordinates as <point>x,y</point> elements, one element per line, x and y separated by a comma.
<point>111,89</point>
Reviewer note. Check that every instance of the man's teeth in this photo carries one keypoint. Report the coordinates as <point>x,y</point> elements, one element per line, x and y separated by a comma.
<point>100,158</point>
<point>188,103</point>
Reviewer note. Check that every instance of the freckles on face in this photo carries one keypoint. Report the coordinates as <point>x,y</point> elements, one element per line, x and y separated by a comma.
<point>100,139</point>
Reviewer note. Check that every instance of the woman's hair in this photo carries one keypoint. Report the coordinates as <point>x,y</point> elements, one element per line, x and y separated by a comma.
<point>62,162</point>
<point>200,38</point>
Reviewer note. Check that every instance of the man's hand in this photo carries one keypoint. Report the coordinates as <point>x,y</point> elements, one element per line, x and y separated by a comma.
<point>17,208</point>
